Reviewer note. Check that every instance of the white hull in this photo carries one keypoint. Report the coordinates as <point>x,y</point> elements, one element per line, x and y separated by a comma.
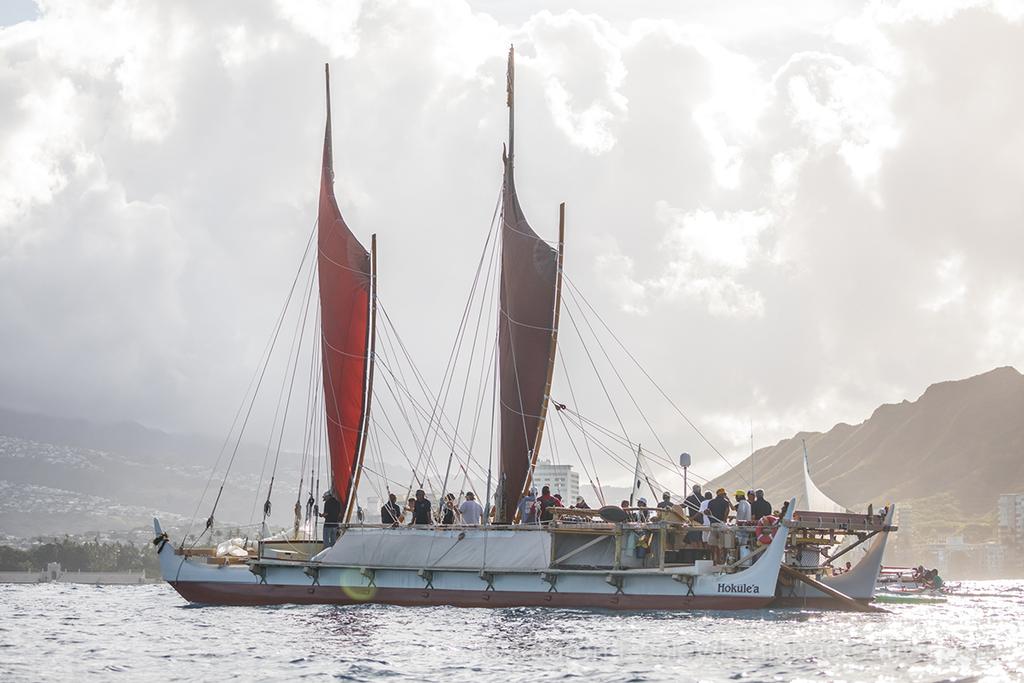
<point>858,583</point>
<point>341,575</point>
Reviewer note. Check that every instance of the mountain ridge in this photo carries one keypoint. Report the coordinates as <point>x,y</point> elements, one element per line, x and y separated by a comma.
<point>909,450</point>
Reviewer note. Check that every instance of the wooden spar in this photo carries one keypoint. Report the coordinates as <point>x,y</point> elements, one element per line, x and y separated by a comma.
<point>851,547</point>
<point>827,590</point>
<point>510,87</point>
<point>551,356</point>
<point>372,332</point>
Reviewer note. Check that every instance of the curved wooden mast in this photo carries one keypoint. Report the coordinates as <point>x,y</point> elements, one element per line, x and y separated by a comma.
<point>371,363</point>
<point>551,355</point>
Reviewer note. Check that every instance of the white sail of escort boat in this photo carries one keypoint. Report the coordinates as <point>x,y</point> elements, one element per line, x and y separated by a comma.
<point>856,538</point>
<point>813,498</point>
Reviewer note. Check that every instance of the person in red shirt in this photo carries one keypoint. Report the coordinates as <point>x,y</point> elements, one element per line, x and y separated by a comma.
<point>545,503</point>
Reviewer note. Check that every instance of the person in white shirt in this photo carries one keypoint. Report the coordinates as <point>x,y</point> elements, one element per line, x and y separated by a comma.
<point>743,517</point>
<point>706,535</point>
<point>742,507</point>
<point>471,511</point>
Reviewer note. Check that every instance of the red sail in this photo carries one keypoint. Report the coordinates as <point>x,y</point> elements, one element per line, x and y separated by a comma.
<point>529,271</point>
<point>344,273</point>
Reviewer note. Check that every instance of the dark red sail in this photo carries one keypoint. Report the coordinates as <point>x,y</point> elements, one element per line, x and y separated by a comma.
<point>344,273</point>
<point>526,324</point>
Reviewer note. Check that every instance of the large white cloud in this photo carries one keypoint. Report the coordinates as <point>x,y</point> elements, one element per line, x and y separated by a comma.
<point>790,215</point>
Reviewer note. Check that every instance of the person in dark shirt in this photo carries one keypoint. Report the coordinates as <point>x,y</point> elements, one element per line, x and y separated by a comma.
<point>666,500</point>
<point>719,507</point>
<point>448,513</point>
<point>421,509</point>
<point>331,515</point>
<point>692,502</point>
<point>390,513</point>
<point>760,507</point>
<point>545,503</point>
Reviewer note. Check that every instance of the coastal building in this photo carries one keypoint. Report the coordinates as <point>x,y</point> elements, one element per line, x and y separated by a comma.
<point>903,542</point>
<point>1011,517</point>
<point>560,478</point>
<point>956,558</point>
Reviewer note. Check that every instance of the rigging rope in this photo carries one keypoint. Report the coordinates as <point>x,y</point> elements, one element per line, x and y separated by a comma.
<point>652,381</point>
<point>261,373</point>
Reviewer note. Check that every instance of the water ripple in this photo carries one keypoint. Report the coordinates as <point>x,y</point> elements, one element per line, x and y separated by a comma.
<point>142,633</point>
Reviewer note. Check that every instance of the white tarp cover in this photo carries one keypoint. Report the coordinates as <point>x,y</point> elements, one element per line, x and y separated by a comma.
<point>476,549</point>
<point>814,499</point>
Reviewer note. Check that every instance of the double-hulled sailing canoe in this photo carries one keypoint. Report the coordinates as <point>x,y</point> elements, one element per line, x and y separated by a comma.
<point>566,563</point>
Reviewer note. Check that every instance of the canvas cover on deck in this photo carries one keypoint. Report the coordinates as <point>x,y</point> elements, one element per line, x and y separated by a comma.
<point>411,548</point>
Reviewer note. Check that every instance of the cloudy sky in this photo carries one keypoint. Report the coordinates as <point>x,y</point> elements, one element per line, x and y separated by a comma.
<point>791,214</point>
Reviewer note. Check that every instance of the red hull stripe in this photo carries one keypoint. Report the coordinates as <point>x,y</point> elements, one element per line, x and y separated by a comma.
<point>217,593</point>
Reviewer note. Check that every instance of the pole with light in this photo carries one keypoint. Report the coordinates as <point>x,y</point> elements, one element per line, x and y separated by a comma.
<point>684,462</point>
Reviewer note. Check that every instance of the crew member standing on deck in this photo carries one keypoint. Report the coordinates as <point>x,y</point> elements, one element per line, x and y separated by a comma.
<point>472,513</point>
<point>331,515</point>
<point>390,513</point>
<point>528,508</point>
<point>448,511</point>
<point>545,503</point>
<point>718,509</point>
<point>761,507</point>
<point>743,511</point>
<point>705,516</point>
<point>410,507</point>
<point>421,509</point>
<point>743,517</point>
<point>693,501</point>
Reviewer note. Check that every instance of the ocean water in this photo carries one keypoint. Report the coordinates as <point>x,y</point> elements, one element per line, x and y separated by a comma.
<point>143,633</point>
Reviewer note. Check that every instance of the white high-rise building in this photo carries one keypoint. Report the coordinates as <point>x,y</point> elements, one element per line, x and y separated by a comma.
<point>560,478</point>
<point>1011,516</point>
